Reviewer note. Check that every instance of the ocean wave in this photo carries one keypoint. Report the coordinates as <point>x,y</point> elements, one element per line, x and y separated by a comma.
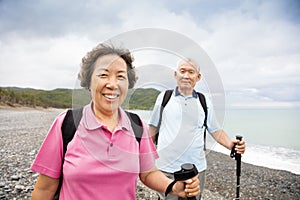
<point>281,158</point>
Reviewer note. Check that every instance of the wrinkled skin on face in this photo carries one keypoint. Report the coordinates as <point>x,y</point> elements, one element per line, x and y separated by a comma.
<point>109,85</point>
<point>186,76</point>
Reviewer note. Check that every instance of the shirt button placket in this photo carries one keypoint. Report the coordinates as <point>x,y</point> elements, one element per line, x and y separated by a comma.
<point>110,149</point>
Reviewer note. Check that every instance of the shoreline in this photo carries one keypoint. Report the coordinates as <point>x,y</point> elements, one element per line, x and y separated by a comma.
<point>257,182</point>
<point>22,142</point>
<point>265,156</point>
<point>17,107</point>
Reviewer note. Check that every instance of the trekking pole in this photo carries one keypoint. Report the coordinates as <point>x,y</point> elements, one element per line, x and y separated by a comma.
<point>187,171</point>
<point>237,157</point>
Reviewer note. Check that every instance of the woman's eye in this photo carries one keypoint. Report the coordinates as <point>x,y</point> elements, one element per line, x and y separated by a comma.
<point>102,75</point>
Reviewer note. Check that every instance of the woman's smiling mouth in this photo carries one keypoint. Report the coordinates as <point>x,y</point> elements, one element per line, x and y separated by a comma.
<point>111,96</point>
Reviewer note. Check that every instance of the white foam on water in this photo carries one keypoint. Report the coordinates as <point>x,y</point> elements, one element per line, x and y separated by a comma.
<point>271,156</point>
<point>268,156</point>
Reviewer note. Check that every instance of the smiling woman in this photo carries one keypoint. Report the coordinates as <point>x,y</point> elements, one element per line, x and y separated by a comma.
<point>104,150</point>
<point>88,64</point>
<point>108,74</point>
<point>109,87</point>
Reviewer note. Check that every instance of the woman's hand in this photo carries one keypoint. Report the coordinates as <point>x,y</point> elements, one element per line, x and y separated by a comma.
<point>187,188</point>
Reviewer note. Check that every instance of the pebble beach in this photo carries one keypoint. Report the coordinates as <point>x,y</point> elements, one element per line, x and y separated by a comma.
<point>22,131</point>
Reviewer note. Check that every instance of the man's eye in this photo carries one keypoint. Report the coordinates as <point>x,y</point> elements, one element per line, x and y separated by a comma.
<point>121,77</point>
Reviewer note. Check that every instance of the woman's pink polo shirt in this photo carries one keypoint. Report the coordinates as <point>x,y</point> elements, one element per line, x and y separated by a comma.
<point>98,164</point>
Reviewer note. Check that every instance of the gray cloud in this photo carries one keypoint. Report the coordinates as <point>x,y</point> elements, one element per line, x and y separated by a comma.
<point>253,44</point>
<point>49,18</point>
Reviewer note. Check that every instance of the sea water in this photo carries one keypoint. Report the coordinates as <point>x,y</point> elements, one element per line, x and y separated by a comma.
<point>272,136</point>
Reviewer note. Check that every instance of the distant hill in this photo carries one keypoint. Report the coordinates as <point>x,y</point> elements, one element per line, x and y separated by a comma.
<point>142,99</point>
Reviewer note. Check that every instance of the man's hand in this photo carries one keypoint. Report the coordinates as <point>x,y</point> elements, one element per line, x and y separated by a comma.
<point>240,146</point>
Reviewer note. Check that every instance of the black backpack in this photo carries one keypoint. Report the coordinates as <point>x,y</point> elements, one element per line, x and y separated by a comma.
<point>166,99</point>
<point>69,127</point>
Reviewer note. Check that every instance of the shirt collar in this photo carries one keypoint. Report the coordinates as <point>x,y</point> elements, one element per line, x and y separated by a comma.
<point>91,122</point>
<point>194,94</point>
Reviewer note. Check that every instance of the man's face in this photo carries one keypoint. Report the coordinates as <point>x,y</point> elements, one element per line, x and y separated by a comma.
<point>186,76</point>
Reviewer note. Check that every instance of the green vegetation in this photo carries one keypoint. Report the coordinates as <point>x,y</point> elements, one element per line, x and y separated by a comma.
<point>142,99</point>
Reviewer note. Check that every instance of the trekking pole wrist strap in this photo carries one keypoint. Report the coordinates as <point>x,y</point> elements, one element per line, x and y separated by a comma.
<point>169,188</point>
<point>232,153</point>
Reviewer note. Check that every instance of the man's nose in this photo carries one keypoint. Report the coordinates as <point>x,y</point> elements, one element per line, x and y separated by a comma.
<point>185,75</point>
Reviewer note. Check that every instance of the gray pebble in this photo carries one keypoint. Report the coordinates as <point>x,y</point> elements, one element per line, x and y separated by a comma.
<point>22,142</point>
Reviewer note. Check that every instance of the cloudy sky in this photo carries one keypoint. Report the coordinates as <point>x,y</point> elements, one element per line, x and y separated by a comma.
<point>254,45</point>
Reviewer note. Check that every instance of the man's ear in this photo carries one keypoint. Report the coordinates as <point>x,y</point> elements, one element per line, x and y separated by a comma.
<point>175,73</point>
<point>199,77</point>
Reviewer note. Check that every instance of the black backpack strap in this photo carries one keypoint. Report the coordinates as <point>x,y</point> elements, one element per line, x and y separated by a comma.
<point>70,125</point>
<point>166,98</point>
<point>68,129</point>
<point>204,106</point>
<point>136,125</point>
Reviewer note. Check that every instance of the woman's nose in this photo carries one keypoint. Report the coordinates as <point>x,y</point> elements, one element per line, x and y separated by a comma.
<point>112,83</point>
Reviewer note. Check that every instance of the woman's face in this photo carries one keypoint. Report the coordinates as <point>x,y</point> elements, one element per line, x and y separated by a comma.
<point>109,83</point>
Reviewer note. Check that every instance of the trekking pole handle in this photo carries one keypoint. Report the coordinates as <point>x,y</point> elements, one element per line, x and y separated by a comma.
<point>233,153</point>
<point>239,137</point>
<point>187,171</point>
